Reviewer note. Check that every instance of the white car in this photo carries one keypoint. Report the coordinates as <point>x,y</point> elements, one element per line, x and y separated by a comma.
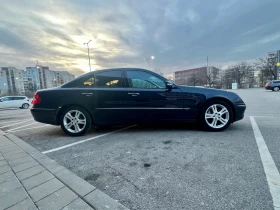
<point>15,102</point>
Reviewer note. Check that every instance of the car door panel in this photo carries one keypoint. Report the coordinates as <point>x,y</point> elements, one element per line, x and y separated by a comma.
<point>106,98</point>
<point>152,102</point>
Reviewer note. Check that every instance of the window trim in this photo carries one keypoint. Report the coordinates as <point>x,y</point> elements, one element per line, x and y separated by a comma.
<point>140,70</point>
<point>111,70</point>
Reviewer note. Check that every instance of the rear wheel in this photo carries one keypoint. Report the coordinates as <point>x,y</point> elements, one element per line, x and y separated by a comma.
<point>216,116</point>
<point>75,121</point>
<point>25,106</point>
<point>275,89</point>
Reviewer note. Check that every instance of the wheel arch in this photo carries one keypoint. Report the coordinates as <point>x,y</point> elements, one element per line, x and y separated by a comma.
<point>220,99</point>
<point>62,108</point>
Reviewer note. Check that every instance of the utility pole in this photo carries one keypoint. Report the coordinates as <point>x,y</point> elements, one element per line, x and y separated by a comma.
<point>86,43</point>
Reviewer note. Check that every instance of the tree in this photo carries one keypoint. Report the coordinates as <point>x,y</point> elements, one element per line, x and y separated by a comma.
<point>194,78</point>
<point>239,73</point>
<point>267,70</point>
<point>211,76</point>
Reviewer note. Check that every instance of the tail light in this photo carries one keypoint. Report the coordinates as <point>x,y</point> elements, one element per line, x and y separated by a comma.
<point>27,99</point>
<point>267,85</point>
<point>36,99</point>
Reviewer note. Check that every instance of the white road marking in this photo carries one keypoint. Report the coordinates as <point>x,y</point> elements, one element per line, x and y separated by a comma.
<point>21,126</point>
<point>83,141</point>
<point>275,97</point>
<point>270,169</point>
<point>29,128</point>
<point>15,123</point>
<point>7,121</point>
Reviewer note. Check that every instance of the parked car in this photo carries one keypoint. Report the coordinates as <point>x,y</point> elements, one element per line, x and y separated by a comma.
<point>130,95</point>
<point>273,85</point>
<point>15,102</point>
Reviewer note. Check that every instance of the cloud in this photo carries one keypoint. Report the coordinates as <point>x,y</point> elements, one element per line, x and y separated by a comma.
<point>180,34</point>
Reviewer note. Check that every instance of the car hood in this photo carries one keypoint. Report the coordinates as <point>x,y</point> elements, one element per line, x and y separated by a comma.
<point>212,93</point>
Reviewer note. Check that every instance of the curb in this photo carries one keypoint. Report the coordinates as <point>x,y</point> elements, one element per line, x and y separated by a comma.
<point>87,192</point>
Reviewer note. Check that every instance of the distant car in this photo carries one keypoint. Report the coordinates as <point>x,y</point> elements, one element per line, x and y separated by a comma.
<point>15,102</point>
<point>273,85</point>
<point>129,96</point>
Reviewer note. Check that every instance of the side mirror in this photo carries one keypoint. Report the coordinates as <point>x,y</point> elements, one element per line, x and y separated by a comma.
<point>0,100</point>
<point>169,85</point>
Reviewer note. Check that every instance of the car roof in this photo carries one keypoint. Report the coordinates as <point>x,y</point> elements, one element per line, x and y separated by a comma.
<point>117,69</point>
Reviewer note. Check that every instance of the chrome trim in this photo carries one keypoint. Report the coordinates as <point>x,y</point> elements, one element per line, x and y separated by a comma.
<point>87,93</point>
<point>42,109</point>
<point>141,108</point>
<point>133,93</point>
<point>241,105</point>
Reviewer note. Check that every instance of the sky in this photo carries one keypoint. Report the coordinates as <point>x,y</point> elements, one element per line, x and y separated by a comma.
<point>180,34</point>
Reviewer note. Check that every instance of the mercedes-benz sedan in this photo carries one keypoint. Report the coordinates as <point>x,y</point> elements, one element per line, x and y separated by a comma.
<point>130,95</point>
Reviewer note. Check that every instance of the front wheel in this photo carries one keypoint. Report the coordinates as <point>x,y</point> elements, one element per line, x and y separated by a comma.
<point>216,116</point>
<point>75,121</point>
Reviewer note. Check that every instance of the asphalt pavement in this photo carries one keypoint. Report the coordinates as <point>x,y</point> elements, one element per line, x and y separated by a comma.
<point>170,166</point>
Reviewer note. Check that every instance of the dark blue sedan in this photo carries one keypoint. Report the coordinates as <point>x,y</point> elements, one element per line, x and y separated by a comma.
<point>130,95</point>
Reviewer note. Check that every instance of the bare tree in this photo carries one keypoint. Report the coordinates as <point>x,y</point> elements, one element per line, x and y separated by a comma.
<point>194,79</point>
<point>267,70</point>
<point>211,76</point>
<point>239,73</point>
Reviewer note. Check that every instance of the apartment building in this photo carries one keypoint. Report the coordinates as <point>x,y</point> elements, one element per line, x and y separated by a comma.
<point>14,79</point>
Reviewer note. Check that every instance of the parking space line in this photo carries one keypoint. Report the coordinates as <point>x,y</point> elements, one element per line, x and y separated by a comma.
<point>29,128</point>
<point>16,123</point>
<point>270,169</point>
<point>21,126</point>
<point>9,121</point>
<point>275,97</point>
<point>83,141</point>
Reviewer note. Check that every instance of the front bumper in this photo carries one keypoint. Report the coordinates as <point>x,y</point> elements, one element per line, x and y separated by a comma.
<point>47,116</point>
<point>239,111</point>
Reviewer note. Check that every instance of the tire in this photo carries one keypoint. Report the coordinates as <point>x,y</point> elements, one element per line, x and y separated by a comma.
<point>275,89</point>
<point>214,120</point>
<point>25,106</point>
<point>73,115</point>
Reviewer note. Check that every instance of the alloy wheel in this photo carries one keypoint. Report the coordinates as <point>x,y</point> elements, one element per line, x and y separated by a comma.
<point>217,116</point>
<point>74,121</point>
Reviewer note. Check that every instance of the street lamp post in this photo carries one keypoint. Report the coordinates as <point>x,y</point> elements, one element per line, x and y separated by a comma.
<point>148,60</point>
<point>86,43</point>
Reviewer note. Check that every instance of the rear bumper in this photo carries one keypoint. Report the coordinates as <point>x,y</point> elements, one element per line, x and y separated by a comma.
<point>47,116</point>
<point>239,111</point>
<point>268,88</point>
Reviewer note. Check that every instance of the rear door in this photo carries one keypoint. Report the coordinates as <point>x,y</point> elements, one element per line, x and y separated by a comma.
<point>108,103</point>
<point>18,101</point>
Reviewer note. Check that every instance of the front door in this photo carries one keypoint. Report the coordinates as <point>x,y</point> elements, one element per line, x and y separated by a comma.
<point>148,98</point>
<point>7,102</point>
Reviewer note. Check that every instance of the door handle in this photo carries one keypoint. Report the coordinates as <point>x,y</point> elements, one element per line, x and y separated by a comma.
<point>87,94</point>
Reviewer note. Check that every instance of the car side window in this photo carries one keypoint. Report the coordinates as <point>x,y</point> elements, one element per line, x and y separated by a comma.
<point>141,79</point>
<point>276,82</point>
<point>7,99</point>
<point>17,98</point>
<point>108,79</point>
